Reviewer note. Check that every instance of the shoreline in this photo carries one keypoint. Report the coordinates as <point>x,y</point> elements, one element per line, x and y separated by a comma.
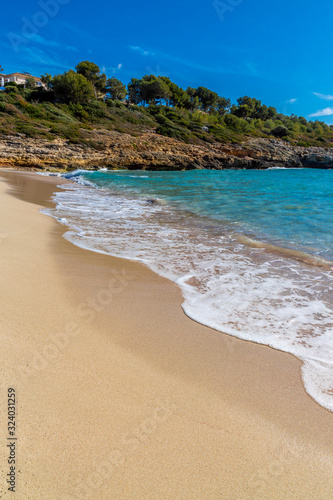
<point>185,411</point>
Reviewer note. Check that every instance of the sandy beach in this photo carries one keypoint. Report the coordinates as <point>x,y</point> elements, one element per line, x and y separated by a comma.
<point>121,396</point>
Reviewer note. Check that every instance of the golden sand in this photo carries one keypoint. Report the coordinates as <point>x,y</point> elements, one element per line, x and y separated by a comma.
<point>121,396</point>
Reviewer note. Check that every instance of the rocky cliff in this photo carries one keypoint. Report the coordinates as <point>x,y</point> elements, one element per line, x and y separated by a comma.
<point>154,152</point>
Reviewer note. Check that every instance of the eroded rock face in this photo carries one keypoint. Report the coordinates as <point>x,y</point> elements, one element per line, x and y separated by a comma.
<point>317,158</point>
<point>154,152</point>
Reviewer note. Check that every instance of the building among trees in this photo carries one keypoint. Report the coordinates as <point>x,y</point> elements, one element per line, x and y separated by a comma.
<point>19,79</point>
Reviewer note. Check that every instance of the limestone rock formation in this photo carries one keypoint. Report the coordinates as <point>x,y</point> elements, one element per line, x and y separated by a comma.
<point>151,151</point>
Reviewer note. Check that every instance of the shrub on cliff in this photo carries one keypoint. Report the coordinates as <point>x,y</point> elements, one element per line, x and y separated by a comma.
<point>58,113</point>
<point>11,86</point>
<point>115,103</point>
<point>236,123</point>
<point>96,110</point>
<point>280,131</point>
<point>72,88</point>
<point>34,111</point>
<point>40,95</point>
<point>170,130</point>
<point>78,111</point>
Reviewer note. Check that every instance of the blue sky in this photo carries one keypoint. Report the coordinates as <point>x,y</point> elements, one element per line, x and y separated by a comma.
<point>279,52</point>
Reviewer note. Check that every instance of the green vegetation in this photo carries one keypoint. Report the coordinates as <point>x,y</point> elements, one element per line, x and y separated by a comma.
<point>84,99</point>
<point>115,89</point>
<point>72,87</point>
<point>92,73</point>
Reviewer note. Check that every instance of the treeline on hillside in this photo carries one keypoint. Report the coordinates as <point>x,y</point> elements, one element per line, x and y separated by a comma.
<point>192,115</point>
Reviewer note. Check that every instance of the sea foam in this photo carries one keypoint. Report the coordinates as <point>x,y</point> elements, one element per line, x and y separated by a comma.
<point>239,289</point>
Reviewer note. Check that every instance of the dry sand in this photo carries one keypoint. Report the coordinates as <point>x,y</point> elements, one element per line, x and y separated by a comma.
<point>121,396</point>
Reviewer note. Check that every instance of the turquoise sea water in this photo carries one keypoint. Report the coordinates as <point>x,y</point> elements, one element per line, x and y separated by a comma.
<point>293,208</point>
<point>252,251</point>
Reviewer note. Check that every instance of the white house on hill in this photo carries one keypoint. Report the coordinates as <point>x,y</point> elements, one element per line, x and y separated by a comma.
<point>19,78</point>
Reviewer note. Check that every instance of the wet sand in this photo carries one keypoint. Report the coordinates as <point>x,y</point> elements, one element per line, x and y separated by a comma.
<point>121,396</point>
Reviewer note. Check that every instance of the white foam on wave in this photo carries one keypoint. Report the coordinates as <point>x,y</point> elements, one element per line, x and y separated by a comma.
<point>245,292</point>
<point>285,168</point>
<point>77,177</point>
<point>49,174</point>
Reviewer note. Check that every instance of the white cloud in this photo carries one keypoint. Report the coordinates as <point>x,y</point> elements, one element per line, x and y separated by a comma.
<point>324,96</point>
<point>106,69</point>
<point>141,51</point>
<point>114,70</point>
<point>292,101</point>
<point>322,112</point>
